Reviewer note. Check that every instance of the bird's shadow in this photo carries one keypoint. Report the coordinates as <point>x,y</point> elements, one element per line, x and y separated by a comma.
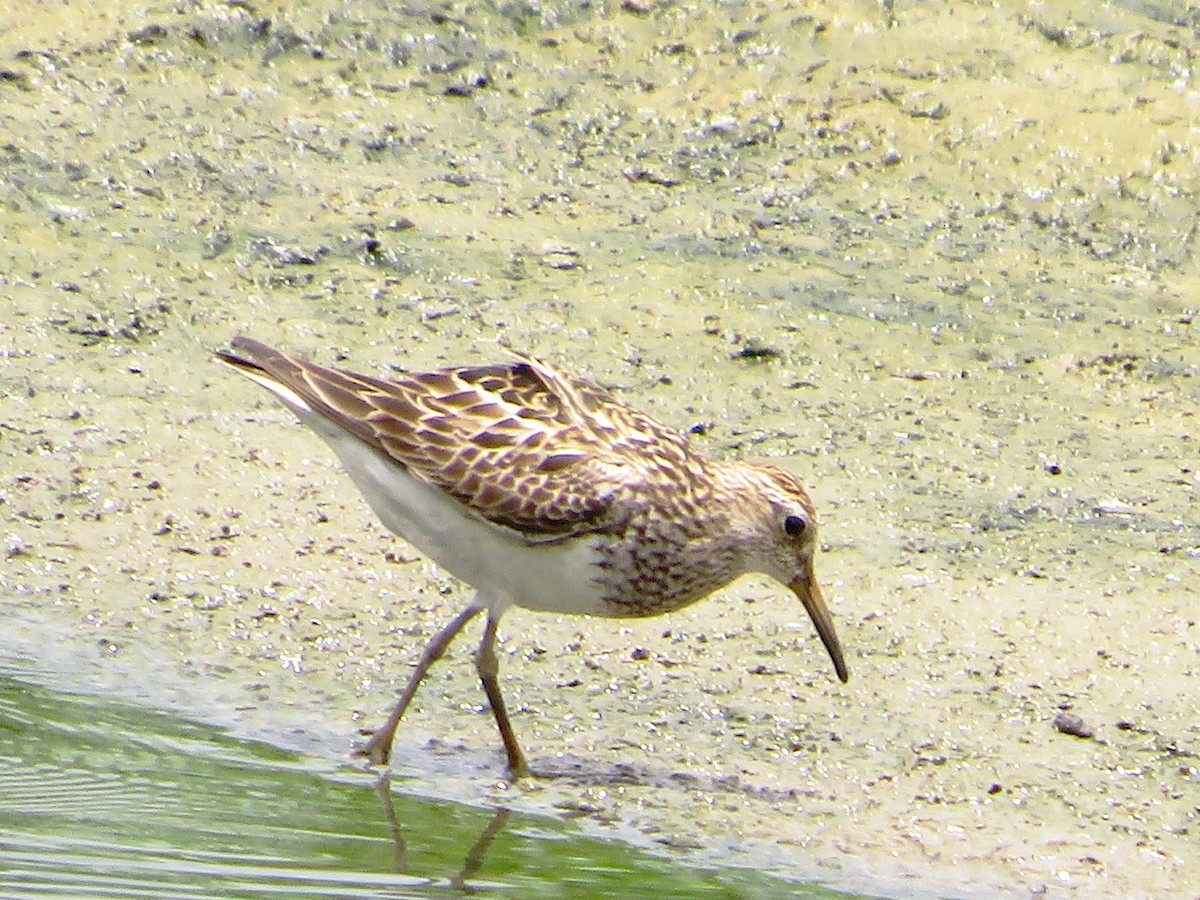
<point>583,771</point>
<point>588,772</point>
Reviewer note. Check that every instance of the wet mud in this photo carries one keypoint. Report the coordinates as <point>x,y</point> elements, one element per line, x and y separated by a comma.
<point>939,260</point>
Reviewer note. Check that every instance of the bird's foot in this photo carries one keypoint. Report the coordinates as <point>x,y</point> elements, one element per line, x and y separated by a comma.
<point>377,751</point>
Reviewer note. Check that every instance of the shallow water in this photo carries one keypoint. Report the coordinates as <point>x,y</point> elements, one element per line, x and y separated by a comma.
<point>100,798</point>
<point>938,259</point>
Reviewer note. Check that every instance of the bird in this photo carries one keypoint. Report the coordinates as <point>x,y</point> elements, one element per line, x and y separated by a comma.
<point>541,489</point>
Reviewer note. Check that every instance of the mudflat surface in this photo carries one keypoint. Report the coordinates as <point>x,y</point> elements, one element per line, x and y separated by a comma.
<point>940,261</point>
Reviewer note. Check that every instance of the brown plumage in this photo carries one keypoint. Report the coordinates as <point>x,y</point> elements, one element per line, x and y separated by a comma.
<point>542,489</point>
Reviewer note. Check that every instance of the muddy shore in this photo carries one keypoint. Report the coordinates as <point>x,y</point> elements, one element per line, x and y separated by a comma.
<point>938,260</point>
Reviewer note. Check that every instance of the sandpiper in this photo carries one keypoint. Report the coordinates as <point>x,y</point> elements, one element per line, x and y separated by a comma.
<point>541,489</point>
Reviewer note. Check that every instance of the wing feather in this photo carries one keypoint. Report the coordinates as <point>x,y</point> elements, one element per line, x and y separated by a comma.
<point>520,445</point>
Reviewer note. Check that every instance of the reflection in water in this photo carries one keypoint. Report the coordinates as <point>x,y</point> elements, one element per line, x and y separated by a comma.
<point>475,856</point>
<point>99,798</point>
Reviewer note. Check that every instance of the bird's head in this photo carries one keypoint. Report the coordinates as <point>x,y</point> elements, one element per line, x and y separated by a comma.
<point>786,542</point>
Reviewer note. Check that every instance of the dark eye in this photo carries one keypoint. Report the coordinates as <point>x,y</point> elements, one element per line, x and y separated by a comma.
<point>794,526</point>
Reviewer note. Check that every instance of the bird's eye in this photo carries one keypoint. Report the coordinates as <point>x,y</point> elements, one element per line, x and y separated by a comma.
<point>794,526</point>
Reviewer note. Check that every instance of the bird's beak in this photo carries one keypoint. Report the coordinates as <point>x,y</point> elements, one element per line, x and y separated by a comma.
<point>806,588</point>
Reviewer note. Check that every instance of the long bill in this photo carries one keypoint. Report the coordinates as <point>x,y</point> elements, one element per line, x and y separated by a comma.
<point>806,588</point>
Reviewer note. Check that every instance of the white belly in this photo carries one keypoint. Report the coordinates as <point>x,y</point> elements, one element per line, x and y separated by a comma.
<point>505,570</point>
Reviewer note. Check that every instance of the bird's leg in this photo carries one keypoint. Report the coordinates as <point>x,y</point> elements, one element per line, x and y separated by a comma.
<point>379,748</point>
<point>489,668</point>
